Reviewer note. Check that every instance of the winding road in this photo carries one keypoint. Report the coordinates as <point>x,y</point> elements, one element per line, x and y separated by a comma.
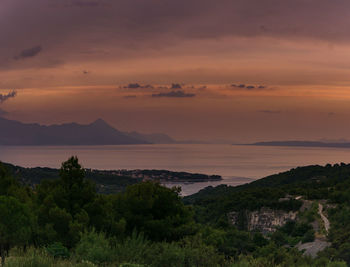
<point>323,217</point>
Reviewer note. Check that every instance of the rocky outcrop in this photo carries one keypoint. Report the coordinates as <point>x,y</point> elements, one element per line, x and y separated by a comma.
<point>265,220</point>
<point>312,248</point>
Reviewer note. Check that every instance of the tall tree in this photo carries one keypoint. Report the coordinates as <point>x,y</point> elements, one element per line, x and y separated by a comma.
<point>15,224</point>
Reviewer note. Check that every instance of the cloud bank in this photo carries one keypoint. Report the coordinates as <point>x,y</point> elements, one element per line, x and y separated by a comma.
<point>138,86</point>
<point>249,87</point>
<point>176,94</point>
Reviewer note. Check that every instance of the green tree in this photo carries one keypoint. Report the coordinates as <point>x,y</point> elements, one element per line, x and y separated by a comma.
<point>15,224</point>
<point>155,210</point>
<point>63,205</point>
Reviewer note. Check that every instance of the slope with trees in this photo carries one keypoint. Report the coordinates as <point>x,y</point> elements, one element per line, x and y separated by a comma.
<point>66,222</point>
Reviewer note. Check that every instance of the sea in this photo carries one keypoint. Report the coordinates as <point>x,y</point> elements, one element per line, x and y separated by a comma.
<point>237,164</point>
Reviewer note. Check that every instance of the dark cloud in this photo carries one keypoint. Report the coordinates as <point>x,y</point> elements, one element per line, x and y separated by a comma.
<point>138,86</point>
<point>248,87</point>
<point>267,111</point>
<point>179,94</point>
<point>238,86</point>
<point>5,97</point>
<point>86,3</point>
<point>141,20</point>
<point>30,52</point>
<point>139,28</point>
<point>132,86</point>
<point>176,86</point>
<point>85,72</point>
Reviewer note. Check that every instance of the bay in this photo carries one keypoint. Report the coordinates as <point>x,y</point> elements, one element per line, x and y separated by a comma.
<point>236,164</point>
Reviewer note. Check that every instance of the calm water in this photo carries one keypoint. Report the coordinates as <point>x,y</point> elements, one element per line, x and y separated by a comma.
<point>234,163</point>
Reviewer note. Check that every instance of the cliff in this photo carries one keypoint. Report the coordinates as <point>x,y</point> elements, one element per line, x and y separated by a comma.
<point>265,220</point>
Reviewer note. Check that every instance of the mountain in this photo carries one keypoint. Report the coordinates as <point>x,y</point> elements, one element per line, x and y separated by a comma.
<point>156,138</point>
<point>160,138</point>
<point>301,144</point>
<point>96,133</point>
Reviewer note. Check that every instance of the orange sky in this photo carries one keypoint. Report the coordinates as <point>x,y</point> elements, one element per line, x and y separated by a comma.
<point>73,61</point>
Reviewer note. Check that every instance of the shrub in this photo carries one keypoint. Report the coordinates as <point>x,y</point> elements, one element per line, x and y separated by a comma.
<point>134,249</point>
<point>94,247</point>
<point>57,250</point>
<point>131,265</point>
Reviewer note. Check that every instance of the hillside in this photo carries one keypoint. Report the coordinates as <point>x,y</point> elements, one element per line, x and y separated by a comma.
<point>108,181</point>
<point>309,203</point>
<point>296,218</point>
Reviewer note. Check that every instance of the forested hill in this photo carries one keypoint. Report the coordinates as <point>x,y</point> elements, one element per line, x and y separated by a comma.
<point>305,180</point>
<point>63,221</point>
<point>108,181</point>
<point>302,193</point>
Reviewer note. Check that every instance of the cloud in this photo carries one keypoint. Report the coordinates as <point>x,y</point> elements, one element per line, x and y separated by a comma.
<point>267,111</point>
<point>132,86</point>
<point>138,86</point>
<point>176,86</point>
<point>30,52</point>
<point>179,94</point>
<point>86,3</point>
<point>59,23</point>
<point>5,97</point>
<point>249,87</point>
<point>238,86</point>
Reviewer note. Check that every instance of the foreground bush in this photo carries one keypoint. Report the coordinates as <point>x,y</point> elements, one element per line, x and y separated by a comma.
<point>57,250</point>
<point>138,251</point>
<point>40,258</point>
<point>94,247</point>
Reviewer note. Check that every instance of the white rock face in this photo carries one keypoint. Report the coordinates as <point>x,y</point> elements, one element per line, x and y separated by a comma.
<point>264,220</point>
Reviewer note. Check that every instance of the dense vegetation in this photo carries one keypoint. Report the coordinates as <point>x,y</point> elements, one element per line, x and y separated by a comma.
<point>108,181</point>
<point>65,222</point>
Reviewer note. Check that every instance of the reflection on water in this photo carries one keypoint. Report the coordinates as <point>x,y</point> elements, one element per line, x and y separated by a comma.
<point>191,188</point>
<point>225,160</point>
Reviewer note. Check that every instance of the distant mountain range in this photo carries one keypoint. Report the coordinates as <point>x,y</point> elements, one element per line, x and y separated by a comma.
<point>97,133</point>
<point>153,138</point>
<point>302,144</point>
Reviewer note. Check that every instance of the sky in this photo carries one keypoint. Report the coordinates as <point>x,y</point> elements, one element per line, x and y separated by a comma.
<point>233,70</point>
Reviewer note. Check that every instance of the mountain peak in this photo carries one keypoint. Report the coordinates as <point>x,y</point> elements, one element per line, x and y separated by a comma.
<point>98,132</point>
<point>100,122</point>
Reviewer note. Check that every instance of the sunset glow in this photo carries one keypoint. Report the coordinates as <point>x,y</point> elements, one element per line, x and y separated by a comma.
<point>246,70</point>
